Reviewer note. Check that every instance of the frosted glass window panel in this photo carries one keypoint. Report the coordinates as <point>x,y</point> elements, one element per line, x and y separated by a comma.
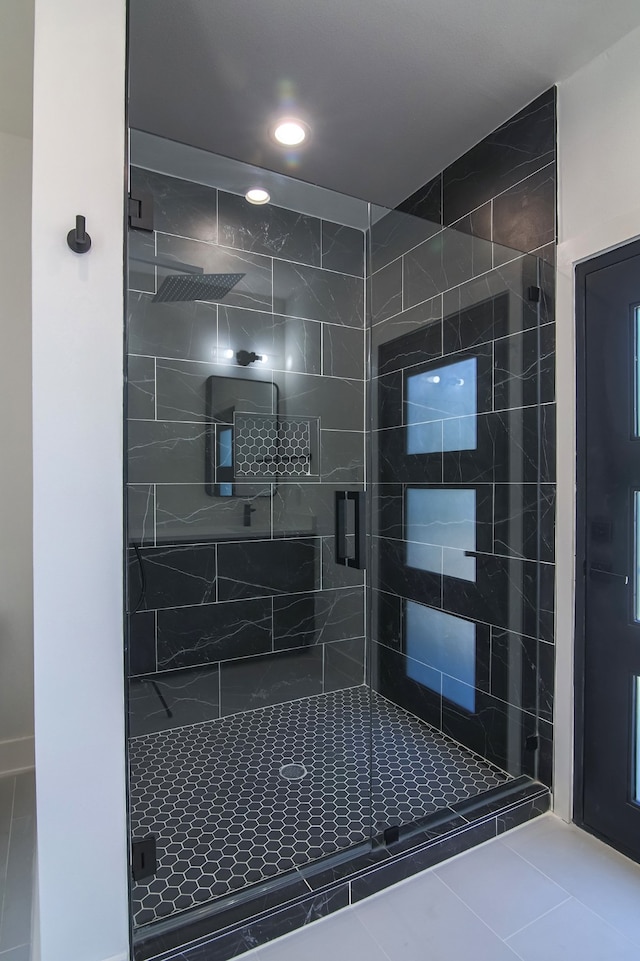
<point>447,646</point>
<point>437,397</point>
<point>440,525</point>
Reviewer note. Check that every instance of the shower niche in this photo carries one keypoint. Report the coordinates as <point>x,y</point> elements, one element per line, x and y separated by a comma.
<point>339,499</point>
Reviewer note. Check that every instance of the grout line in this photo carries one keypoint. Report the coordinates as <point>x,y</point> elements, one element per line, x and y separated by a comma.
<point>543,915</point>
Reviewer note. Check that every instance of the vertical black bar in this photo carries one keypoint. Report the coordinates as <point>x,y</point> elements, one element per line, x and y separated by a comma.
<point>359,557</point>
<point>340,535</point>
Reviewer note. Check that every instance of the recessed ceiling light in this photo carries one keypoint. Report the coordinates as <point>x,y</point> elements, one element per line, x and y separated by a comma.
<point>290,132</point>
<point>257,196</point>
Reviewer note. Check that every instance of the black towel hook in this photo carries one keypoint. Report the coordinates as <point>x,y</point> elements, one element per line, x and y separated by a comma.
<point>78,239</point>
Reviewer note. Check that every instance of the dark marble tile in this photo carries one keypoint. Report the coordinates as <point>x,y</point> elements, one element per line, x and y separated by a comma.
<point>142,642</point>
<point>302,620</point>
<point>141,388</point>
<point>388,395</point>
<point>141,275</point>
<point>186,331</point>
<point>525,520</point>
<point>185,512</point>
<point>342,454</point>
<point>478,224</point>
<point>521,813</point>
<point>179,206</point>
<point>522,672</point>
<point>524,217</point>
<point>288,343</point>
<point>440,823</point>
<point>497,731</point>
<point>388,510</point>
<point>395,576</point>
<point>336,575</point>
<point>163,452</point>
<point>466,250</point>
<point>301,291</point>
<point>189,636</point>
<point>424,275</point>
<point>269,926</point>
<point>386,612</point>
<point>391,677</point>
<point>524,372</point>
<point>417,346</point>
<point>173,699</point>
<point>473,324</point>
<point>478,465</point>
<point>394,465</point>
<point>259,568</point>
<point>419,860</point>
<point>344,664</point>
<point>305,508</point>
<point>544,770</point>
<point>342,249</point>
<point>425,202</point>
<point>259,681</point>
<point>338,402</point>
<point>423,320</point>
<point>386,291</point>
<point>548,442</point>
<point>522,145</point>
<point>394,232</point>
<point>546,614</point>
<point>233,916</point>
<point>201,393</point>
<point>345,869</point>
<point>172,576</point>
<point>504,594</point>
<point>268,229</point>
<point>254,290</point>
<point>343,351</point>
<point>141,514</point>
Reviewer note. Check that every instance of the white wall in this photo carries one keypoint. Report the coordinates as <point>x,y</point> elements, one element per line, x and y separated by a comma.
<point>78,167</point>
<point>599,209</point>
<point>16,620</point>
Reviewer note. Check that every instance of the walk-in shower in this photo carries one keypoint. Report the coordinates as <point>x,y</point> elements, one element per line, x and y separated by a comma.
<point>340,523</point>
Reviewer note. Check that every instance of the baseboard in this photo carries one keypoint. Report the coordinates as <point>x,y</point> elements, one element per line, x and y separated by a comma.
<point>17,755</point>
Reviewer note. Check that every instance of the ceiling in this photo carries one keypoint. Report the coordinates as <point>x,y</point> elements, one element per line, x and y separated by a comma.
<point>393,90</point>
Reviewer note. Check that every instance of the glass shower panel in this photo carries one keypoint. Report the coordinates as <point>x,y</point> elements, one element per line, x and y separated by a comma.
<point>249,715</point>
<point>462,486</point>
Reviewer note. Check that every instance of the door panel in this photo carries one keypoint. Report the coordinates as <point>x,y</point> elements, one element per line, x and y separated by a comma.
<point>611,487</point>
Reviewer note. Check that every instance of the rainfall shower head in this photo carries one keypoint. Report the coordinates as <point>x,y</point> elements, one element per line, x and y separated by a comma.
<point>196,287</point>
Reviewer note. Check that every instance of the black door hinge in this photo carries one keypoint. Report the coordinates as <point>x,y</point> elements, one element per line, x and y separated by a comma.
<point>534,295</point>
<point>141,210</point>
<point>144,861</point>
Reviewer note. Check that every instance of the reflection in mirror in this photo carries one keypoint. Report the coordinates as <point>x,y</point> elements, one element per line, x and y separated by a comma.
<point>441,407</point>
<point>441,652</point>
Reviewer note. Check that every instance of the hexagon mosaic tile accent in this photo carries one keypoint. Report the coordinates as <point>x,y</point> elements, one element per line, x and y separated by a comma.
<point>246,798</point>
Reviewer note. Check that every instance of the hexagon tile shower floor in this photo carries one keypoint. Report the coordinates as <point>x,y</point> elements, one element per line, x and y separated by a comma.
<point>226,816</point>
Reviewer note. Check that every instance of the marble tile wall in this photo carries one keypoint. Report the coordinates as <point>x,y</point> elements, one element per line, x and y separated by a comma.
<point>234,600</point>
<point>464,492</point>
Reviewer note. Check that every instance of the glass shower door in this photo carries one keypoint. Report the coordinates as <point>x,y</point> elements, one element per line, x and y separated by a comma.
<point>249,715</point>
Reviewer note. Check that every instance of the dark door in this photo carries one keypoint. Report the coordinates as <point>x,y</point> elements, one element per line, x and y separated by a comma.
<point>609,290</point>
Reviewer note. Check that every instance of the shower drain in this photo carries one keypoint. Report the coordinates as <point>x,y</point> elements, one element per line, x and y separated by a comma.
<point>293,772</point>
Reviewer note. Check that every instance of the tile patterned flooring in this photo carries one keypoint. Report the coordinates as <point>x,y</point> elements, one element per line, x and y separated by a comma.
<point>544,892</point>
<point>225,817</point>
<point>17,851</point>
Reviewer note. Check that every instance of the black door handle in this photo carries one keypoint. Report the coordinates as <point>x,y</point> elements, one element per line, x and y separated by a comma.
<point>359,554</point>
<point>599,572</point>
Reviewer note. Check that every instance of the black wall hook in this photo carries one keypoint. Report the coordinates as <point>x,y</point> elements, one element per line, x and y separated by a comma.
<point>78,239</point>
